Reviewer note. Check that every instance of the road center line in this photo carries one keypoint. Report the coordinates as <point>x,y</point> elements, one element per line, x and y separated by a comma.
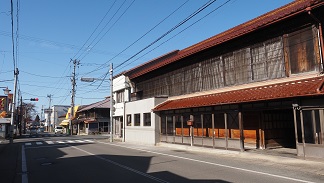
<point>24,177</point>
<point>210,163</point>
<point>122,166</point>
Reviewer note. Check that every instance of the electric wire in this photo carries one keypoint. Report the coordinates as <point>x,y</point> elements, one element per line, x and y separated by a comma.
<point>145,34</point>
<point>94,31</point>
<point>220,6</point>
<point>200,9</point>
<point>12,36</point>
<point>169,31</point>
<point>109,27</point>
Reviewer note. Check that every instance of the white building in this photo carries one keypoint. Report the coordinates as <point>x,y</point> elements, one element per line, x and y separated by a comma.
<point>121,95</point>
<point>52,116</point>
<point>134,120</point>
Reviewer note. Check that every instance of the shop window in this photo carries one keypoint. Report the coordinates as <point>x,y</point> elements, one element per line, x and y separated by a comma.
<point>137,119</point>
<point>147,119</point>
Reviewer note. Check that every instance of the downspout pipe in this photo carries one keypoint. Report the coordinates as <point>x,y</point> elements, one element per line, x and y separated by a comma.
<point>319,34</point>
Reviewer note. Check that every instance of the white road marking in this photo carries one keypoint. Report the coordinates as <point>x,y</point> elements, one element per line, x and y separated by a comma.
<point>49,142</point>
<point>79,140</point>
<point>39,143</point>
<point>122,166</point>
<point>70,141</point>
<point>210,163</point>
<point>60,142</point>
<point>88,140</point>
<point>24,177</point>
<point>28,144</point>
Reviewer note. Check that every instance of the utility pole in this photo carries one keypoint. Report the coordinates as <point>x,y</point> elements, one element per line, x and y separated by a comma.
<point>49,113</point>
<point>111,103</point>
<point>75,63</point>
<point>16,72</point>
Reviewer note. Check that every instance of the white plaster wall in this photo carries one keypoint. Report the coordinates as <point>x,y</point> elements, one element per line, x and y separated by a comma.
<point>143,134</point>
<point>58,110</point>
<point>119,83</point>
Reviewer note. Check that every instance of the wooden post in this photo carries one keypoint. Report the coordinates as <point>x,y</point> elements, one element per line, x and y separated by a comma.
<point>241,131</point>
<point>202,129</point>
<point>303,132</point>
<point>213,127</point>
<point>226,131</point>
<point>296,133</point>
<point>182,129</point>
<point>174,130</point>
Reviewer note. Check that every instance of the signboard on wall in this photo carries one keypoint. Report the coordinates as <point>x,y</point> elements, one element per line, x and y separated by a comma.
<point>4,120</point>
<point>3,103</point>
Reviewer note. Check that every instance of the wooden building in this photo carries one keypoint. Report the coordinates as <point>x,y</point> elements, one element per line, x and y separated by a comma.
<point>257,85</point>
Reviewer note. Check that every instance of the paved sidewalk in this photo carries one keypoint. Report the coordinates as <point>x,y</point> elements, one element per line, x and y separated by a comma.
<point>310,165</point>
<point>10,161</point>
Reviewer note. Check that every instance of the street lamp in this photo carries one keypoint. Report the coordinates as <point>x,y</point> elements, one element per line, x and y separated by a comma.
<point>6,90</point>
<point>111,97</point>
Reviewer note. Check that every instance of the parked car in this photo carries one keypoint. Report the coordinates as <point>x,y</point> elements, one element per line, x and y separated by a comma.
<point>58,129</point>
<point>32,130</point>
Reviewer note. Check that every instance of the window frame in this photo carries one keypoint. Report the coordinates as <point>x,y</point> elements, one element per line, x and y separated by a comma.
<point>129,120</point>
<point>147,119</point>
<point>137,122</point>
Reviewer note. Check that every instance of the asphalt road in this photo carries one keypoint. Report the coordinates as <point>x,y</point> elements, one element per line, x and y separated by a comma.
<point>49,158</point>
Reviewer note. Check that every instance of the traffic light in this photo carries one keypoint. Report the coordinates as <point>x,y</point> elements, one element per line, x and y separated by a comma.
<point>34,99</point>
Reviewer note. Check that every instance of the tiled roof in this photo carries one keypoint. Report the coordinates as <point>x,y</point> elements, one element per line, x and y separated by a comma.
<point>148,66</point>
<point>104,104</point>
<point>272,17</point>
<point>299,88</point>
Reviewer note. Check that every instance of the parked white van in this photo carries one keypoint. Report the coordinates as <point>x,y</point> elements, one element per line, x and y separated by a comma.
<point>58,129</point>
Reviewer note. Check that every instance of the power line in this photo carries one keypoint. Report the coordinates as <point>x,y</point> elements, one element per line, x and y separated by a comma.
<point>94,31</point>
<point>109,27</point>
<point>149,30</point>
<point>178,32</point>
<point>43,75</point>
<point>12,35</point>
<point>169,31</point>
<point>146,33</point>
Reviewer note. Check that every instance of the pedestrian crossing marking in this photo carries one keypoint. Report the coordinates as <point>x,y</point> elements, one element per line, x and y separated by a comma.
<point>88,140</point>
<point>58,142</point>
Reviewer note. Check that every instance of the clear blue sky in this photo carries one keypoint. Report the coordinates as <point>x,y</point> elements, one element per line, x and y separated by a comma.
<point>51,33</point>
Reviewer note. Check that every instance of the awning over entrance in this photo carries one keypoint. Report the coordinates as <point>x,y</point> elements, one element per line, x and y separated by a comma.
<point>65,122</point>
<point>305,87</point>
<point>90,121</point>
